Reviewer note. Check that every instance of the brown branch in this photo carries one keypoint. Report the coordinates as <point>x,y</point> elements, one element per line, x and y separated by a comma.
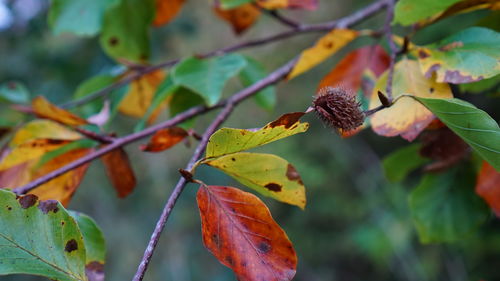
<point>393,50</point>
<point>301,29</point>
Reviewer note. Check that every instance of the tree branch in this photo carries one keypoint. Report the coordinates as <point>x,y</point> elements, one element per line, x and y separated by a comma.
<point>393,50</point>
<point>300,29</point>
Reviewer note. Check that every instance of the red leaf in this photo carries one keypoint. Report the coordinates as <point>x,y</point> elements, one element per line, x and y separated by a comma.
<point>239,231</point>
<point>120,171</point>
<point>165,139</point>
<point>488,186</point>
<point>348,72</point>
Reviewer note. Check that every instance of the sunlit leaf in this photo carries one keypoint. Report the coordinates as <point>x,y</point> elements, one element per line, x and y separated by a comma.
<point>207,77</point>
<point>165,139</point>
<point>119,171</point>
<point>39,238</point>
<point>238,229</point>
<point>288,4</point>
<point>227,140</point>
<point>166,11</point>
<point>445,207</point>
<point>468,56</point>
<point>464,6</point>
<point>14,92</point>
<point>410,11</point>
<point>473,125</point>
<point>44,109</point>
<point>240,18</point>
<point>30,150</point>
<point>137,100</point>
<point>43,129</point>
<point>488,186</point>
<point>322,49</point>
<point>253,72</point>
<point>125,31</point>
<point>406,117</point>
<point>267,174</point>
<point>400,163</point>
<point>348,73</point>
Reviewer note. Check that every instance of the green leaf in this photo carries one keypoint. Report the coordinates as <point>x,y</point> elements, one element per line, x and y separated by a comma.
<point>231,4</point>
<point>93,238</point>
<point>39,238</point>
<point>227,140</point>
<point>253,72</point>
<point>81,17</point>
<point>267,174</point>
<point>473,125</point>
<point>489,86</point>
<point>182,100</point>
<point>14,92</point>
<point>207,77</point>
<point>468,56</point>
<point>400,163</point>
<point>125,33</point>
<point>164,90</point>
<point>445,207</point>
<point>411,11</point>
<point>91,86</point>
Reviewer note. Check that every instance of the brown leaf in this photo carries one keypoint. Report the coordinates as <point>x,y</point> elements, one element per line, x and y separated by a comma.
<point>239,231</point>
<point>44,109</point>
<point>119,171</point>
<point>240,18</point>
<point>488,186</point>
<point>167,10</point>
<point>349,71</point>
<point>165,139</point>
<point>443,146</point>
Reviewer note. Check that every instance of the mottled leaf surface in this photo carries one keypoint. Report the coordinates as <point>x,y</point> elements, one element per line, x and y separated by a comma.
<point>445,207</point>
<point>43,129</point>
<point>238,229</point>
<point>39,238</point>
<point>406,117</point>
<point>468,56</point>
<point>227,140</point>
<point>267,174</point>
<point>473,125</point>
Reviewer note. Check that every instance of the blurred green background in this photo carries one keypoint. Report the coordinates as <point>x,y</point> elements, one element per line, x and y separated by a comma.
<point>356,226</point>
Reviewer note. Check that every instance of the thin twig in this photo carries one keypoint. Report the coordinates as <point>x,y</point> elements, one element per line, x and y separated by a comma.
<point>392,47</point>
<point>282,19</point>
<point>301,29</point>
<point>95,136</point>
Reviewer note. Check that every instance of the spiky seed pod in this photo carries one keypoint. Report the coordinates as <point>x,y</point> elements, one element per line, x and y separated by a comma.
<point>338,109</point>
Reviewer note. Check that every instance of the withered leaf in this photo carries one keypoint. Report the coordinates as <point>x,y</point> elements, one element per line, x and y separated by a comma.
<point>120,171</point>
<point>165,139</point>
<point>44,109</point>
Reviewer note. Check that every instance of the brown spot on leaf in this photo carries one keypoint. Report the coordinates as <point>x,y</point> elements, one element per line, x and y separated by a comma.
<point>9,208</point>
<point>48,205</point>
<point>422,54</point>
<point>457,78</point>
<point>62,223</point>
<point>71,246</point>
<point>55,142</point>
<point>229,260</point>
<point>431,90</point>
<point>95,271</point>
<point>233,159</point>
<point>273,187</point>
<point>113,41</point>
<point>451,46</point>
<point>287,120</point>
<point>292,174</point>
<point>264,247</point>
<point>328,44</point>
<point>27,201</point>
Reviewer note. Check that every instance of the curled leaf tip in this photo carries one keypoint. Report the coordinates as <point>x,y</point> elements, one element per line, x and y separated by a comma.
<point>338,109</point>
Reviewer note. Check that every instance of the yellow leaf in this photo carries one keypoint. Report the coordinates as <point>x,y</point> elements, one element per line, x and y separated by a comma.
<point>406,117</point>
<point>323,49</point>
<point>273,4</point>
<point>138,99</point>
<point>44,109</point>
<point>43,129</point>
<point>30,150</point>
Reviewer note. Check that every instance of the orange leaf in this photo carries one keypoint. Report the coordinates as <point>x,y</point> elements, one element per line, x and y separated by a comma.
<point>119,171</point>
<point>165,139</point>
<point>323,49</point>
<point>44,109</point>
<point>167,10</point>
<point>488,186</point>
<point>240,18</point>
<point>291,4</point>
<point>348,72</point>
<point>239,231</point>
<point>138,99</point>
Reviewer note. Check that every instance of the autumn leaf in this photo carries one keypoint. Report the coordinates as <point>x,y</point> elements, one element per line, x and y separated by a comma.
<point>461,7</point>
<point>165,139</point>
<point>488,186</point>
<point>349,71</point>
<point>406,117</point>
<point>290,4</point>
<point>120,172</point>
<point>410,11</point>
<point>444,147</point>
<point>468,56</point>
<point>166,11</point>
<point>44,109</point>
<point>227,140</point>
<point>238,229</point>
<point>140,95</point>
<point>267,174</point>
<point>43,129</point>
<point>323,49</point>
<point>240,18</point>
